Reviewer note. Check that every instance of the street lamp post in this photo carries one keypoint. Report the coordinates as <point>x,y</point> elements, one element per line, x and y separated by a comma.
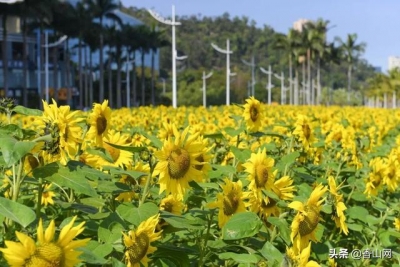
<point>253,81</point>
<point>228,71</point>
<point>47,45</point>
<point>205,77</point>
<point>10,1</point>
<point>172,23</point>
<point>269,85</point>
<point>283,91</point>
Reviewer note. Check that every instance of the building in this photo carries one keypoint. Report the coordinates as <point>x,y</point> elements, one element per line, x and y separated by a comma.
<point>394,62</point>
<point>59,76</point>
<point>299,24</point>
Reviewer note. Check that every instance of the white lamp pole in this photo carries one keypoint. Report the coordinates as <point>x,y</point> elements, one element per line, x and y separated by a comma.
<point>47,45</point>
<point>228,71</point>
<point>253,80</point>
<point>283,91</point>
<point>205,77</point>
<point>10,1</point>
<point>269,85</point>
<point>172,23</point>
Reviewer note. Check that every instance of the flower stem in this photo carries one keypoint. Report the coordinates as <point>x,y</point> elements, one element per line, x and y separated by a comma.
<point>39,200</point>
<point>146,187</point>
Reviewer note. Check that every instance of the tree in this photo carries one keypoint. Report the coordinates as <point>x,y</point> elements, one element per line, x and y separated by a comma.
<point>351,51</point>
<point>103,9</point>
<point>144,46</point>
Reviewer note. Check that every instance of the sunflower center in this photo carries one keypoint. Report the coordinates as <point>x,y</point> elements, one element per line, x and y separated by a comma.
<point>168,206</point>
<point>33,162</point>
<point>178,163</point>
<point>101,125</point>
<point>231,203</point>
<point>46,255</point>
<point>199,158</point>
<point>114,152</point>
<point>306,131</point>
<point>52,146</point>
<point>138,250</point>
<point>253,113</point>
<point>268,203</point>
<point>310,222</point>
<point>45,194</point>
<point>261,176</point>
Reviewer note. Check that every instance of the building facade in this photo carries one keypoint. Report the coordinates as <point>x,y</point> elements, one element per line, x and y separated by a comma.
<point>299,24</point>
<point>394,62</point>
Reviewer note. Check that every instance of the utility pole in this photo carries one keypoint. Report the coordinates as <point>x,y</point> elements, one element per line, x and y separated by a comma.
<point>172,23</point>
<point>269,85</point>
<point>253,81</point>
<point>283,90</point>
<point>228,71</point>
<point>205,77</point>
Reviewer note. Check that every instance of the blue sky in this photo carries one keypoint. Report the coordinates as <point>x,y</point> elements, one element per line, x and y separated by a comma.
<point>375,22</point>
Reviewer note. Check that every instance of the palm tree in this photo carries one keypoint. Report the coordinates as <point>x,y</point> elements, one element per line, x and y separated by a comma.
<point>103,9</point>
<point>132,43</point>
<point>351,51</point>
<point>288,43</point>
<point>144,46</point>
<point>156,41</point>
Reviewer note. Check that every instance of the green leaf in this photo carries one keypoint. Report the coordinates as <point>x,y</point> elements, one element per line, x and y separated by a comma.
<point>113,187</point>
<point>358,212</point>
<point>233,132</point>
<point>290,158</point>
<point>182,222</point>
<point>134,174</point>
<point>101,152</point>
<point>214,136</point>
<point>14,150</point>
<point>355,227</point>
<point>271,253</point>
<point>283,227</point>
<point>11,130</point>
<point>132,149</point>
<point>260,134</point>
<point>221,171</point>
<point>359,196</point>
<point>93,202</point>
<point>27,111</point>
<point>239,258</point>
<point>137,215</point>
<point>88,256</point>
<point>389,237</point>
<point>241,225</point>
<point>17,212</point>
<point>111,228</point>
<point>63,176</point>
<point>89,172</point>
<point>166,256</point>
<point>241,155</point>
<point>154,140</point>
<point>100,250</point>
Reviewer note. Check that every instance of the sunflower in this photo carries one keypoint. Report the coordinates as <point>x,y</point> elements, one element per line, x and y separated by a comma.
<point>252,114</point>
<point>204,157</point>
<point>119,157</point>
<point>374,183</point>
<point>339,206</point>
<point>46,252</point>
<point>397,223</point>
<point>99,121</point>
<point>62,126</point>
<point>172,205</point>
<point>138,245</point>
<point>177,163</point>
<point>259,168</point>
<point>47,195</point>
<point>300,259</point>
<point>265,206</point>
<point>304,131</point>
<point>229,201</point>
<point>305,222</point>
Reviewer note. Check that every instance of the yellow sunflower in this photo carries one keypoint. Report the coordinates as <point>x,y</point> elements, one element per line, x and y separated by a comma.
<point>304,131</point>
<point>252,114</point>
<point>46,252</point>
<point>172,204</point>
<point>305,222</point>
<point>62,125</point>
<point>229,201</point>
<point>338,206</point>
<point>300,259</point>
<point>374,183</point>
<point>99,121</point>
<point>397,223</point>
<point>177,163</point>
<point>138,245</point>
<point>259,168</point>
<point>47,195</point>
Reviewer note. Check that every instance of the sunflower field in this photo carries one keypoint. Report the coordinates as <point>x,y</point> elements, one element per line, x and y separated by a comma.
<point>240,185</point>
